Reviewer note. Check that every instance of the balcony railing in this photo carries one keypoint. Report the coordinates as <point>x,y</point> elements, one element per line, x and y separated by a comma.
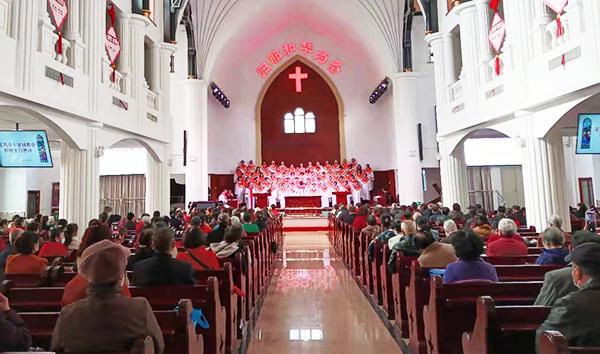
<point>456,91</point>
<point>152,100</point>
<point>571,22</point>
<point>113,78</point>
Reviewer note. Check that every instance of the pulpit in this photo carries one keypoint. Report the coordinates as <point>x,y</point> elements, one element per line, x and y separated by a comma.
<point>341,197</point>
<point>261,200</point>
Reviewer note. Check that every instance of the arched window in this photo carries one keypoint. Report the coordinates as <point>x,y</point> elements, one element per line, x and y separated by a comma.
<point>299,122</point>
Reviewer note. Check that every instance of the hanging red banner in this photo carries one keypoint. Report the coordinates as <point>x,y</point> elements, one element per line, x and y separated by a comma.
<point>557,6</point>
<point>496,37</point>
<point>113,48</point>
<point>58,12</point>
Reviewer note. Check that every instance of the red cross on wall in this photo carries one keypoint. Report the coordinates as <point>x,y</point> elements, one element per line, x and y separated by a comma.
<point>298,76</point>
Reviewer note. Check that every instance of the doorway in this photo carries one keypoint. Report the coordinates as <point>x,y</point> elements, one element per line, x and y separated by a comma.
<point>586,191</point>
<point>33,203</point>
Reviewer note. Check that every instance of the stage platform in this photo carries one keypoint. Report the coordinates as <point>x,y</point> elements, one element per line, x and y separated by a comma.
<point>312,211</point>
<point>293,223</point>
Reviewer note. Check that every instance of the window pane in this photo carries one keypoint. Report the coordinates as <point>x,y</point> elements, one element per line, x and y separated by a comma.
<point>299,112</point>
<point>310,122</point>
<point>299,124</point>
<point>311,125</point>
<point>288,126</point>
<point>288,123</point>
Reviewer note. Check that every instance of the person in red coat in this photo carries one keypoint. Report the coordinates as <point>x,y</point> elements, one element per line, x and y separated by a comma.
<point>55,247</point>
<point>360,221</point>
<point>507,244</point>
<point>196,252</point>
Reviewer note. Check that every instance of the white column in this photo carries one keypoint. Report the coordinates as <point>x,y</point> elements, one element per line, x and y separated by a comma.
<point>80,182</point>
<point>406,118</point>
<point>485,49</point>
<point>436,43</point>
<point>453,171</point>
<point>25,29</point>
<point>125,40</point>
<point>157,186</point>
<point>448,58</point>
<point>544,175</point>
<point>94,39</point>
<point>137,24</point>
<point>196,125</point>
<point>166,50</point>
<point>72,30</point>
<point>469,39</point>
<point>592,25</point>
<point>155,67</point>
<point>542,17</point>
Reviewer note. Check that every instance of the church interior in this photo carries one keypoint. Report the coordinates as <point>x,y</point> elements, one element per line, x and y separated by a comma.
<point>300,176</point>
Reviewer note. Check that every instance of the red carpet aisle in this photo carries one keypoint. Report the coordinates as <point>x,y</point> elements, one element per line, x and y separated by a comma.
<point>314,306</point>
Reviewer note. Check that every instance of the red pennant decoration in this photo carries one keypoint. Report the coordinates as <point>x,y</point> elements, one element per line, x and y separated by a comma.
<point>496,35</point>
<point>113,48</point>
<point>557,6</point>
<point>58,12</point>
<point>494,5</point>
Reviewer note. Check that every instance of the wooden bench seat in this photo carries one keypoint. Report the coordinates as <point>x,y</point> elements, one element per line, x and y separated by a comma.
<point>450,310</point>
<point>552,342</point>
<point>204,297</point>
<point>178,330</point>
<point>503,329</point>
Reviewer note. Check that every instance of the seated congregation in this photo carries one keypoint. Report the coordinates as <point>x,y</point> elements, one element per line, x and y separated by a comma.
<point>188,283</point>
<point>478,282</point>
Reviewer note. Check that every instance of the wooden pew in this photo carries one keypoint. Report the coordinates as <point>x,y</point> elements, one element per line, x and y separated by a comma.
<point>417,294</point>
<point>552,342</point>
<point>400,280</point>
<point>387,288</point>
<point>528,259</point>
<point>178,330</point>
<point>451,309</point>
<point>376,272</point>
<point>206,297</point>
<point>31,280</point>
<point>503,329</point>
<point>228,300</point>
<point>203,297</point>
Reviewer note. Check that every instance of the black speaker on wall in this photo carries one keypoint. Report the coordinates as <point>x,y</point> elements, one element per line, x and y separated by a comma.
<point>420,136</point>
<point>185,147</point>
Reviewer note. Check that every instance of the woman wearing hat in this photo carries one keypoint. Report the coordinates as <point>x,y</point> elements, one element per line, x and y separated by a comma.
<point>106,320</point>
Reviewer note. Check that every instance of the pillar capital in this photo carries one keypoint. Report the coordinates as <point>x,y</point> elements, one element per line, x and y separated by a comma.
<point>434,38</point>
<point>466,8</point>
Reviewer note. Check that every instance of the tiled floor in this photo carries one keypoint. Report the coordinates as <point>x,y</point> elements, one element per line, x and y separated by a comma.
<point>314,306</point>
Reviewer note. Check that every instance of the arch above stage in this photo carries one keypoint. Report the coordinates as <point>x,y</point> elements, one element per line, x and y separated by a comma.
<point>278,97</point>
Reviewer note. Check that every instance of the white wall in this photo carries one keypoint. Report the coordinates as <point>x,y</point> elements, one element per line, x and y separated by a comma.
<point>580,166</point>
<point>492,152</point>
<point>15,182</point>
<point>125,161</point>
<point>232,132</point>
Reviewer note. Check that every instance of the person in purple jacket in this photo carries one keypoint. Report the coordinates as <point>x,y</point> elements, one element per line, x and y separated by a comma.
<point>469,266</point>
<point>14,334</point>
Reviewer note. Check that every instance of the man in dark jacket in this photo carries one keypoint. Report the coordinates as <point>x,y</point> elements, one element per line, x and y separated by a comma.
<point>14,335</point>
<point>559,282</point>
<point>162,268</point>
<point>576,315</point>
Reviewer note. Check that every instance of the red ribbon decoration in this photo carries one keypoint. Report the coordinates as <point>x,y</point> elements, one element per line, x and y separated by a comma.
<point>494,5</point>
<point>497,65</point>
<point>560,30</point>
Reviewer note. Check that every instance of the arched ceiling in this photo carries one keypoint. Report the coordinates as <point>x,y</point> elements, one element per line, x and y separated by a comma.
<point>251,23</point>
